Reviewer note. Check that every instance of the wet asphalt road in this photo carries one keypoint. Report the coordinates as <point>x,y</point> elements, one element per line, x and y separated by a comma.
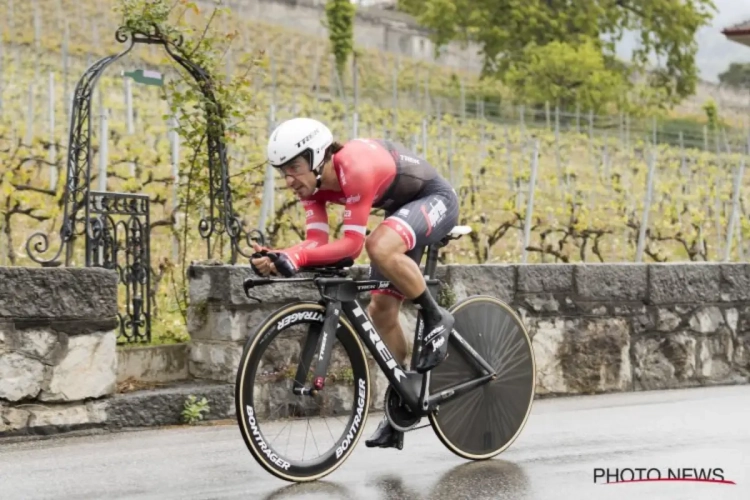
<point>563,442</point>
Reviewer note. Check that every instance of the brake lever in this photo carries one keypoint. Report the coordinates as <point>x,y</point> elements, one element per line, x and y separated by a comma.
<point>248,284</point>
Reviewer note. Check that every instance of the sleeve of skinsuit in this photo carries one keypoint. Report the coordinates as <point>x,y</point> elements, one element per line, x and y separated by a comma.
<point>316,226</point>
<point>358,188</point>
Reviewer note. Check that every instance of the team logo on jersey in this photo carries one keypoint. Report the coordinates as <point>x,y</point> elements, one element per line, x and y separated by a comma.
<point>435,214</point>
<point>353,199</point>
<point>409,159</point>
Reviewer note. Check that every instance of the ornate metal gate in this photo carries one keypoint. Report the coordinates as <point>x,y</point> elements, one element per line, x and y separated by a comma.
<point>82,217</point>
<point>120,240</point>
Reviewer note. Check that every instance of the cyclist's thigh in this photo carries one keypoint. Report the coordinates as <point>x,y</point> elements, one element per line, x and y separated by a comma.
<point>414,254</point>
<point>426,220</point>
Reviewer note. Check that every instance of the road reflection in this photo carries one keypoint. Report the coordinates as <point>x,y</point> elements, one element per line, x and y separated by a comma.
<point>318,489</point>
<point>493,479</point>
<point>490,479</point>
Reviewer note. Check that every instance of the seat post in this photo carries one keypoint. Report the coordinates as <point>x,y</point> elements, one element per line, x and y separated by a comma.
<point>430,267</point>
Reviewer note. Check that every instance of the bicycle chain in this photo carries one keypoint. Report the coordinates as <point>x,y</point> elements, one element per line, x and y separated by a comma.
<point>420,427</point>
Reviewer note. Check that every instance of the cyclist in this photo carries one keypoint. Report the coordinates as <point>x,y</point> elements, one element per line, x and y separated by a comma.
<point>420,209</point>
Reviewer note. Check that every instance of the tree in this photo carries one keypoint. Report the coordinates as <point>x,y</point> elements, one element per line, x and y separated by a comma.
<point>340,25</point>
<point>563,74</point>
<point>736,76</point>
<point>712,114</point>
<point>504,28</point>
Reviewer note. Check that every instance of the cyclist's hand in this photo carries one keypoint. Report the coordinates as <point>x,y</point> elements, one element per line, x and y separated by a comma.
<point>262,266</point>
<point>260,262</point>
<point>259,249</point>
<point>284,264</point>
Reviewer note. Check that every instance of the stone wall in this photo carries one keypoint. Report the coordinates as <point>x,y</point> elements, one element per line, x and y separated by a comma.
<point>157,363</point>
<point>57,347</point>
<point>595,327</point>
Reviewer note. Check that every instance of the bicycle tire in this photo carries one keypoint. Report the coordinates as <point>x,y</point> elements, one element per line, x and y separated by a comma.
<point>498,410</point>
<point>255,345</point>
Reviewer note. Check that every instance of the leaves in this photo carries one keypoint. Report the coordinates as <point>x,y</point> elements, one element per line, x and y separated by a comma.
<point>736,76</point>
<point>585,208</point>
<point>563,74</point>
<point>340,26</point>
<point>505,28</point>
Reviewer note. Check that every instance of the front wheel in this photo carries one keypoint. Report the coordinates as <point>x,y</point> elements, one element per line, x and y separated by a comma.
<point>269,413</point>
<point>485,421</point>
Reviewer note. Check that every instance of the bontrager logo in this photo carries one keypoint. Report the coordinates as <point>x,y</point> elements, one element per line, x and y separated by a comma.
<point>273,457</point>
<point>299,316</point>
<point>379,345</point>
<point>356,422</point>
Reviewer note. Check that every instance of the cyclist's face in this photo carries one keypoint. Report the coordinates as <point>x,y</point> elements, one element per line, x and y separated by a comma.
<point>298,177</point>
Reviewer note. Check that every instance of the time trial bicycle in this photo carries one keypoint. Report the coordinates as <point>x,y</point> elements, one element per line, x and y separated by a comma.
<point>477,400</point>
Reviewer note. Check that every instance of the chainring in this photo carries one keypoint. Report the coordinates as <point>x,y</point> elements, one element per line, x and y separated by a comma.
<point>400,417</point>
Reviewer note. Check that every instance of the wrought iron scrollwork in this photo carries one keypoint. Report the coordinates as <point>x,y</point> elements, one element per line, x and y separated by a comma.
<point>221,217</point>
<point>78,172</point>
<point>120,240</point>
<point>115,226</point>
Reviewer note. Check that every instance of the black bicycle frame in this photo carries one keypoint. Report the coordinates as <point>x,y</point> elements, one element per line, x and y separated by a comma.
<point>340,295</point>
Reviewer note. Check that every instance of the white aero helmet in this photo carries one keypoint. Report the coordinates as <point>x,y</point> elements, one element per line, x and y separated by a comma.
<point>296,137</point>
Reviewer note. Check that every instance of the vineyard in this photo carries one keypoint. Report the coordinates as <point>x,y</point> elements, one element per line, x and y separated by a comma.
<point>547,193</point>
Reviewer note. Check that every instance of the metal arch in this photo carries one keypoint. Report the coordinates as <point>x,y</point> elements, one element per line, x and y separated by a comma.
<point>221,214</point>
<point>78,174</point>
<point>221,217</point>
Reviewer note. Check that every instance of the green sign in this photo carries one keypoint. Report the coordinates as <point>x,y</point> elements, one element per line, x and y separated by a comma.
<point>145,77</point>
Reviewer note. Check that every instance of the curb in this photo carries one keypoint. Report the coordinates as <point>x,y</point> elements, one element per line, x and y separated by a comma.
<point>139,409</point>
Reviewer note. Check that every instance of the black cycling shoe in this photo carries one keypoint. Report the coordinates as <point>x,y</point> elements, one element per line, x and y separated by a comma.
<point>435,343</point>
<point>386,436</point>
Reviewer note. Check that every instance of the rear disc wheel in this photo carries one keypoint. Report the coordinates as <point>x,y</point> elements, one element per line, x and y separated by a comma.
<point>485,421</point>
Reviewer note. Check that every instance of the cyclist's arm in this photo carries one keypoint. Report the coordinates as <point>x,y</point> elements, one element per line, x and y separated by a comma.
<point>355,225</point>
<point>316,226</point>
<point>359,194</point>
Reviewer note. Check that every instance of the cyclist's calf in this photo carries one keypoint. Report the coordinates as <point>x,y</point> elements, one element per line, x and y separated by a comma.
<point>383,310</point>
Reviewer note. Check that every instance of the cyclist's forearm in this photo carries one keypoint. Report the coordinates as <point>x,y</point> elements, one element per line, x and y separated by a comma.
<point>349,246</point>
<point>312,241</point>
<point>315,237</point>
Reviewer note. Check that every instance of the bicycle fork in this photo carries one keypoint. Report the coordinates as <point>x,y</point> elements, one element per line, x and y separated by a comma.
<point>328,332</point>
